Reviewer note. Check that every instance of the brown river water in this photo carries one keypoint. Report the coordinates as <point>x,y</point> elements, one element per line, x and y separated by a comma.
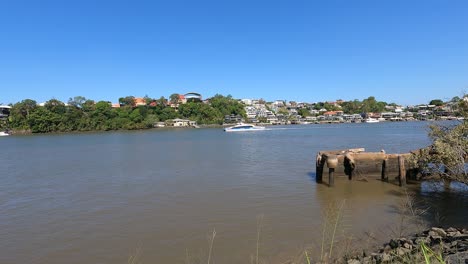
<point>101,197</point>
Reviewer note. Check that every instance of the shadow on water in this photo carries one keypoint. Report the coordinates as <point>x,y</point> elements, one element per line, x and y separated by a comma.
<point>444,205</point>
<point>312,176</point>
<point>448,203</point>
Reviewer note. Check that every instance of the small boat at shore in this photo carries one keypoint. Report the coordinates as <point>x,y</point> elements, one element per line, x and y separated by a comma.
<point>4,134</point>
<point>243,128</point>
<point>371,120</point>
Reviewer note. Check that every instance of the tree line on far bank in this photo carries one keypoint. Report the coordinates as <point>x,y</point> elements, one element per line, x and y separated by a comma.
<point>81,114</point>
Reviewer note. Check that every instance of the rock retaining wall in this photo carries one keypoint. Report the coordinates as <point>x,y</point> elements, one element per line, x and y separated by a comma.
<point>450,243</point>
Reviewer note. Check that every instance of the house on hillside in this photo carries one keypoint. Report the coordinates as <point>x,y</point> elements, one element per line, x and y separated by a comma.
<point>192,97</point>
<point>333,113</point>
<point>181,123</point>
<point>182,99</point>
<point>233,118</point>
<point>139,101</point>
<point>5,111</point>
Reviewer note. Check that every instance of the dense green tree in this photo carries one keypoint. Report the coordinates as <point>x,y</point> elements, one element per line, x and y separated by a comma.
<point>77,101</point>
<point>26,106</point>
<point>436,102</point>
<point>331,107</point>
<point>127,101</point>
<point>55,106</point>
<point>20,113</point>
<point>162,101</point>
<point>372,105</point>
<point>202,113</point>
<point>88,106</point>
<point>42,120</point>
<point>150,120</point>
<point>352,107</point>
<point>303,112</point>
<point>135,116</point>
<point>167,113</point>
<point>174,98</point>
<point>226,105</point>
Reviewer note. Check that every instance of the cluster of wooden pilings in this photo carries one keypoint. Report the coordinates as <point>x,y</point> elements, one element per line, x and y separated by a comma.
<point>358,163</point>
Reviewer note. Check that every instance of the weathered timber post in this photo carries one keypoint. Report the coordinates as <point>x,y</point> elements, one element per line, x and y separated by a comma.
<point>402,173</point>
<point>332,163</point>
<point>350,165</point>
<point>319,168</point>
<point>385,169</point>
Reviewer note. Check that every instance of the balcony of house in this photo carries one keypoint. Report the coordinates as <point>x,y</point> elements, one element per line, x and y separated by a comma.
<point>233,119</point>
<point>193,97</point>
<point>4,111</point>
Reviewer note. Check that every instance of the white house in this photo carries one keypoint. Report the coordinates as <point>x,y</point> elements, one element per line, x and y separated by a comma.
<point>181,123</point>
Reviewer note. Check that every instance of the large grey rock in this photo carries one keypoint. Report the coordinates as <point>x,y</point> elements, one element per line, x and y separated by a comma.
<point>453,233</point>
<point>368,260</point>
<point>408,245</point>
<point>461,236</point>
<point>386,257</point>
<point>402,251</point>
<point>439,231</point>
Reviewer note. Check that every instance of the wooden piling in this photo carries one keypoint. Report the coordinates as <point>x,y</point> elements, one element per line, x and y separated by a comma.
<point>350,165</point>
<point>319,168</point>
<point>332,163</point>
<point>402,173</point>
<point>331,177</point>
<point>385,169</point>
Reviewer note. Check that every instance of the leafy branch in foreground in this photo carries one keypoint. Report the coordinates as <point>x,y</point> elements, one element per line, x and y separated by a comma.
<point>447,156</point>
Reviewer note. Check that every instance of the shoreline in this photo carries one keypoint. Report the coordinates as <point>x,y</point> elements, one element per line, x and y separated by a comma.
<point>433,245</point>
<point>29,133</point>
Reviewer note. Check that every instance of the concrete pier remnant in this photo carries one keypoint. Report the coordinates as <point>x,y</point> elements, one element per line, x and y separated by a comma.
<point>332,163</point>
<point>356,163</point>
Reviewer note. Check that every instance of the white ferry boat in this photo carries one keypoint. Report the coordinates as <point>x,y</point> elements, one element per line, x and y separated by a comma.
<point>371,120</point>
<point>243,127</point>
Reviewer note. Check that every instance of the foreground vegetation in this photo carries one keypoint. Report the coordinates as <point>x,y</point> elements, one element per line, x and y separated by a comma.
<point>446,158</point>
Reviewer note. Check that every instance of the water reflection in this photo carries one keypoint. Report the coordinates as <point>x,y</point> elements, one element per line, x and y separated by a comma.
<point>448,203</point>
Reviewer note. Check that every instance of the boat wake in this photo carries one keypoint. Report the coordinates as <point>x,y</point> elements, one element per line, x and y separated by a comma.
<point>284,128</point>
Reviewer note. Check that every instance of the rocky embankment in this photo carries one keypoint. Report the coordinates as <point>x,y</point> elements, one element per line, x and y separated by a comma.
<point>439,245</point>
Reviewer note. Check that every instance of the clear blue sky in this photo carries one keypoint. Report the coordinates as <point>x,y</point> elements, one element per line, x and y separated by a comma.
<point>399,51</point>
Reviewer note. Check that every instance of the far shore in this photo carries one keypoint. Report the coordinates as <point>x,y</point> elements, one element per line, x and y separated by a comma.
<point>29,132</point>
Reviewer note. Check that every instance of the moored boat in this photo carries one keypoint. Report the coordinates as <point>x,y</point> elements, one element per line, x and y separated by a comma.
<point>371,120</point>
<point>4,134</point>
<point>243,127</point>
